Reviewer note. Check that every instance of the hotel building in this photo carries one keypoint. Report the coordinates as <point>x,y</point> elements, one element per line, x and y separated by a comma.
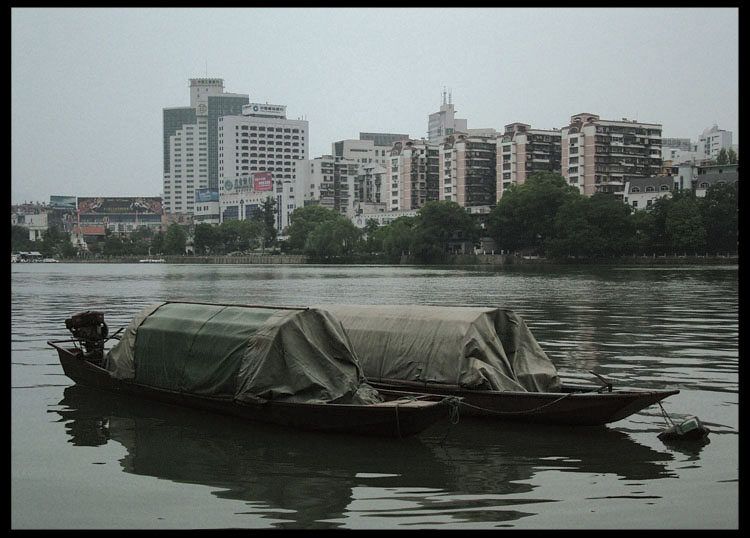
<point>258,152</point>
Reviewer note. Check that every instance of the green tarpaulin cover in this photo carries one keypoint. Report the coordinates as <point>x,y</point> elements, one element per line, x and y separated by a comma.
<point>246,353</point>
<point>472,347</point>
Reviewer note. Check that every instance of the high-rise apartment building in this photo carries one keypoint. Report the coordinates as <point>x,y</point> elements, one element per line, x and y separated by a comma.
<point>523,151</point>
<point>412,176</point>
<point>330,182</point>
<point>372,184</point>
<point>190,143</point>
<point>602,155</point>
<point>467,170</point>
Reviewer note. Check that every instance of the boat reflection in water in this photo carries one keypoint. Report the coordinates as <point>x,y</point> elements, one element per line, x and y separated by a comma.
<point>312,480</point>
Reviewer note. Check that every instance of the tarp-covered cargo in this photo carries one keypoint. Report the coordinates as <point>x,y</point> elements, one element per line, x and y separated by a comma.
<point>238,352</point>
<point>471,347</point>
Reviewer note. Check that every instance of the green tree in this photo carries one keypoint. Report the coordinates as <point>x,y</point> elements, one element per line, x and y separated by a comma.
<point>240,235</point>
<point>266,215</point>
<point>595,226</point>
<point>644,231</point>
<point>206,239</point>
<point>684,225</point>
<point>113,246</point>
<point>373,242</point>
<point>660,240</point>
<point>722,158</point>
<point>524,218</point>
<point>157,243</point>
<point>67,250</point>
<point>175,240</point>
<point>302,221</point>
<point>333,238</point>
<point>19,238</point>
<point>140,241</point>
<point>437,224</point>
<point>397,237</point>
<point>719,212</point>
<point>732,156</point>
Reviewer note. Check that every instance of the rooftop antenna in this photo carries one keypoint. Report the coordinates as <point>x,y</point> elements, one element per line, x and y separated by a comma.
<point>206,68</point>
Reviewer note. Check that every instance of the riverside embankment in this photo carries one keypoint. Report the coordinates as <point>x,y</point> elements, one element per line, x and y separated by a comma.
<point>458,259</point>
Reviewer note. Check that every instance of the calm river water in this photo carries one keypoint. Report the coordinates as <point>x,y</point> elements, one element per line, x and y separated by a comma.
<point>83,460</point>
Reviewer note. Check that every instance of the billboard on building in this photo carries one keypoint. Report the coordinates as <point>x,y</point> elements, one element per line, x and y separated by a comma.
<point>63,202</point>
<point>263,181</point>
<point>207,195</point>
<point>110,205</point>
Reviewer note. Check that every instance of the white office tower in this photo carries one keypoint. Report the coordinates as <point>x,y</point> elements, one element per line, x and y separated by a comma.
<point>259,151</point>
<point>190,143</point>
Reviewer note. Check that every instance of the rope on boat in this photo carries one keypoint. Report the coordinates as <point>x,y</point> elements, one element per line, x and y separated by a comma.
<point>406,399</point>
<point>453,403</point>
<point>524,412</point>
<point>666,416</point>
<point>398,424</point>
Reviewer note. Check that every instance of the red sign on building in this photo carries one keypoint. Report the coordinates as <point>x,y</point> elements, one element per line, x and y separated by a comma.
<point>263,181</point>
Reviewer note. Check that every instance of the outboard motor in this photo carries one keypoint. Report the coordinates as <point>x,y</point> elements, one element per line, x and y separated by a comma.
<point>90,329</point>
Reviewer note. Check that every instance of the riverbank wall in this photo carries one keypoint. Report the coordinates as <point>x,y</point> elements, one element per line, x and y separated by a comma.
<point>458,260</point>
<point>512,259</point>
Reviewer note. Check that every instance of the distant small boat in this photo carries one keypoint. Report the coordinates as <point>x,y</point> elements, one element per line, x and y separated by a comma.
<point>288,366</point>
<point>50,260</point>
<point>152,260</point>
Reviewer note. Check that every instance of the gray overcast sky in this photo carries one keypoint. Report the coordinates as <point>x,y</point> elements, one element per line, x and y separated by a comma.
<point>89,84</point>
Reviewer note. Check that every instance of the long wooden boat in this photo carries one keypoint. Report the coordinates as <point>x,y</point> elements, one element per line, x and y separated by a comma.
<point>284,365</point>
<point>573,405</point>
<point>402,413</point>
<point>486,356</point>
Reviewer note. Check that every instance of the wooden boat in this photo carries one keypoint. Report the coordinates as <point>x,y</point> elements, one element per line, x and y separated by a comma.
<point>395,413</point>
<point>485,356</point>
<point>572,405</point>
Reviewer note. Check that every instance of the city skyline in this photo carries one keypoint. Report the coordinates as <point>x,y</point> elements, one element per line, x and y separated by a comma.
<point>89,85</point>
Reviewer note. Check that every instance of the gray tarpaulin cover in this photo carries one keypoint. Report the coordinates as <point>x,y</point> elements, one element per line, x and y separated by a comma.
<point>472,347</point>
<point>241,352</point>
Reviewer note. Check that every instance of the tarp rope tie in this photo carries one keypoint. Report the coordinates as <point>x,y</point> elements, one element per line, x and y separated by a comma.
<point>453,412</point>
<point>405,399</point>
<point>524,412</point>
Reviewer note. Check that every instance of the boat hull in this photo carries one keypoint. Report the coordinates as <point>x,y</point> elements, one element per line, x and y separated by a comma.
<point>572,407</point>
<point>402,415</point>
